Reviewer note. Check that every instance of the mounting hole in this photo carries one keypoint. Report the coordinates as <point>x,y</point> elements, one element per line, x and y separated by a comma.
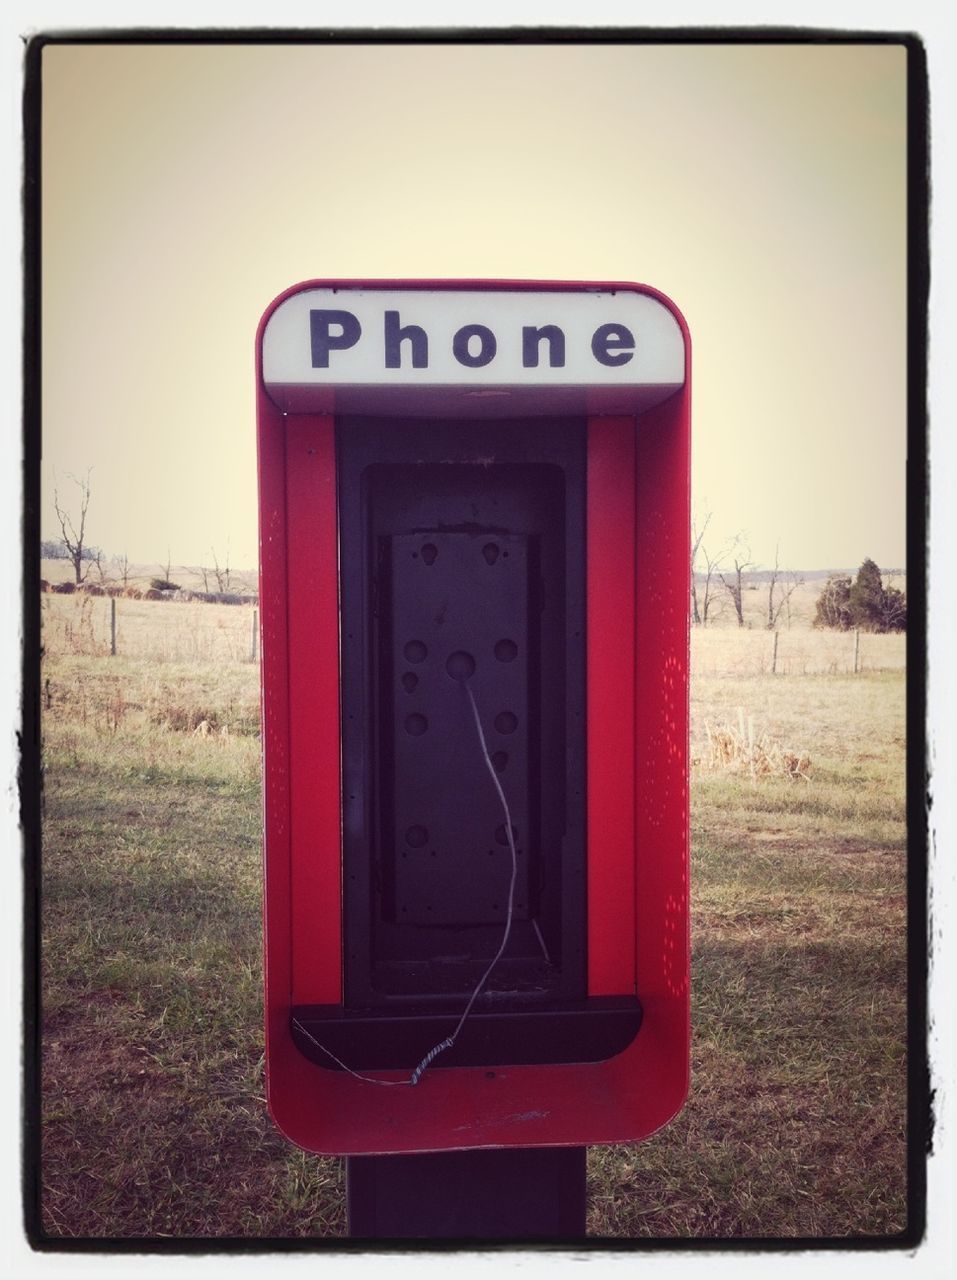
<point>409,681</point>
<point>506,650</point>
<point>415,651</point>
<point>490,552</point>
<point>416,724</point>
<point>429,552</point>
<point>500,760</point>
<point>505,722</point>
<point>416,836</point>
<point>501,835</point>
<point>460,665</point>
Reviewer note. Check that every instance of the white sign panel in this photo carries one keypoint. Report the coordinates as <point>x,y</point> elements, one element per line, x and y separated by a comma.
<point>474,338</point>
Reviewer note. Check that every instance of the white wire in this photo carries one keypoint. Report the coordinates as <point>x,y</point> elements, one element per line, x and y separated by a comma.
<point>449,1041</point>
<point>370,1079</point>
<point>511,887</point>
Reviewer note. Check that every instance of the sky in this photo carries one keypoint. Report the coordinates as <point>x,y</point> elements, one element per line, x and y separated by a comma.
<point>762,188</point>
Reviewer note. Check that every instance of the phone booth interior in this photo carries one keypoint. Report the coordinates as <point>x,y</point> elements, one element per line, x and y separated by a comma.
<point>440,527</point>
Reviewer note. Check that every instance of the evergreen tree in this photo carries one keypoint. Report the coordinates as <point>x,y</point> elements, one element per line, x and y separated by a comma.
<point>867,598</point>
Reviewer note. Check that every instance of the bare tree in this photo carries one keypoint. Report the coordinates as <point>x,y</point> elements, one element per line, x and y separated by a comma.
<point>703,600</point>
<point>74,533</point>
<point>785,587</point>
<point>741,558</point>
<point>696,537</point>
<point>222,575</point>
<point>708,598</point>
<point>98,559</point>
<point>122,565</point>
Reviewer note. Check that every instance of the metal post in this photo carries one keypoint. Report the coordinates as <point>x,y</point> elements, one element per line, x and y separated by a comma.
<point>255,639</point>
<point>518,1193</point>
<point>112,626</point>
<point>857,650</point>
<point>774,655</point>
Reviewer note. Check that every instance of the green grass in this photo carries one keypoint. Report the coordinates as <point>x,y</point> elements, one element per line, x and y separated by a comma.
<point>154,1120</point>
<point>153,1108</point>
<point>795,1123</point>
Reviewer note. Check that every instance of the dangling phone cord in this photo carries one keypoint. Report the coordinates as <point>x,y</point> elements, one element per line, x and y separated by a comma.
<point>449,1041</point>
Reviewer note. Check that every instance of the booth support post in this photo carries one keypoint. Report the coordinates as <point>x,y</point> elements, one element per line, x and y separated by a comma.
<point>517,1193</point>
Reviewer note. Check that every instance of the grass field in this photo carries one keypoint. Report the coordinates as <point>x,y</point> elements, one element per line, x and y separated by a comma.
<point>154,1122</point>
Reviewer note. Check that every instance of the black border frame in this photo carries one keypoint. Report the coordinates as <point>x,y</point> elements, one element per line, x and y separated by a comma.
<point>919,1109</point>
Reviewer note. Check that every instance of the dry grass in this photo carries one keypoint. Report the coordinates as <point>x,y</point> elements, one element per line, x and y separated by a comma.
<point>733,651</point>
<point>154,1122</point>
<point>152,630</point>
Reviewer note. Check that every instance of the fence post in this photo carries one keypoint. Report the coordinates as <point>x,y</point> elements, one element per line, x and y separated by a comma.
<point>774,654</point>
<point>255,637</point>
<point>112,626</point>
<point>857,650</point>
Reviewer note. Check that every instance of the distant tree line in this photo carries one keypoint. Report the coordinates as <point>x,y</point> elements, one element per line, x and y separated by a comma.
<point>56,549</point>
<point>864,603</point>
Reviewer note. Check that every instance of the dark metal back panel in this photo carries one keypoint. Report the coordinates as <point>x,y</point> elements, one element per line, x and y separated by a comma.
<point>462,557</point>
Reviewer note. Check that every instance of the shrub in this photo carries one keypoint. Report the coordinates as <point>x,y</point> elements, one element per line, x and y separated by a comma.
<point>833,606</point>
<point>866,603</point>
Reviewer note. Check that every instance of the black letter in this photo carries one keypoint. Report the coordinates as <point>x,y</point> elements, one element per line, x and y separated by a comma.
<point>323,341</point>
<point>608,336</point>
<point>531,340</point>
<point>460,345</point>
<point>394,335</point>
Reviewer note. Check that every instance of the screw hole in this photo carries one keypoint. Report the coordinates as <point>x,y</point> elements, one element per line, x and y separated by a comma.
<point>429,552</point>
<point>415,651</point>
<point>506,650</point>
<point>416,725</point>
<point>506,722</point>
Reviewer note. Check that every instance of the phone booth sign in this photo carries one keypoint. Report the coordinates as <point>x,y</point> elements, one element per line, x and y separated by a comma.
<point>474,557</point>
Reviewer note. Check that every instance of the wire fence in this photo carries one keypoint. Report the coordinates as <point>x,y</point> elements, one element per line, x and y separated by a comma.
<point>196,632</point>
<point>151,630</point>
<point>717,651</point>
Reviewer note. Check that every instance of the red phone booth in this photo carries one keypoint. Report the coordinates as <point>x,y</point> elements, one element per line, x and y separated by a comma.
<point>474,494</point>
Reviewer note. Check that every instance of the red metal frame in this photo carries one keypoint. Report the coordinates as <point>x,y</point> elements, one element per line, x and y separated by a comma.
<point>638,529</point>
